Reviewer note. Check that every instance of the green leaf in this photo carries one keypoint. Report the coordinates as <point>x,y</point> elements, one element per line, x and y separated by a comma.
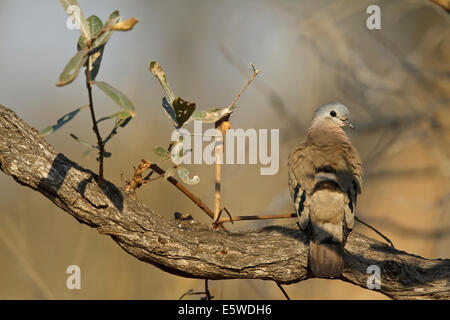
<point>87,144</point>
<point>111,134</point>
<point>120,122</point>
<point>73,10</point>
<point>183,110</point>
<point>210,115</point>
<point>120,115</point>
<point>95,25</point>
<point>184,173</point>
<point>113,19</point>
<point>72,69</point>
<point>161,152</point>
<point>158,72</point>
<point>61,121</point>
<point>117,96</point>
<point>106,154</point>
<point>86,153</point>
<point>96,55</point>
<point>123,122</point>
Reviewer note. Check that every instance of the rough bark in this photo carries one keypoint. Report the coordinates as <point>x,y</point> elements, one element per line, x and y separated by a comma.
<point>190,249</point>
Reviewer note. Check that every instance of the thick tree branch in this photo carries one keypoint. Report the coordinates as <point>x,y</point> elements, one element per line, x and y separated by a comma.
<point>190,249</point>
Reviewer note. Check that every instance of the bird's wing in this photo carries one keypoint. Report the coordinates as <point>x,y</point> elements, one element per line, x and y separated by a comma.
<point>300,179</point>
<point>351,181</point>
<point>309,164</point>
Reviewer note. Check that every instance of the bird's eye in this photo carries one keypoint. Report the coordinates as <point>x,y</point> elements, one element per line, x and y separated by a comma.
<point>333,113</point>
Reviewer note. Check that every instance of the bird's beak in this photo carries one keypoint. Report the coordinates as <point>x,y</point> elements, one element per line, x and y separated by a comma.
<point>348,124</point>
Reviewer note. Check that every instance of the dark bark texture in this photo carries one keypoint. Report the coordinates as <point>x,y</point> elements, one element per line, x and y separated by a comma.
<point>190,249</point>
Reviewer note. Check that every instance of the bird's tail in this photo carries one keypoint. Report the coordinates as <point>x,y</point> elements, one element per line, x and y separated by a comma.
<point>326,259</point>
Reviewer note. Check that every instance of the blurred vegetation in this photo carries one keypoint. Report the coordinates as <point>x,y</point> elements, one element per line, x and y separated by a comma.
<point>395,81</point>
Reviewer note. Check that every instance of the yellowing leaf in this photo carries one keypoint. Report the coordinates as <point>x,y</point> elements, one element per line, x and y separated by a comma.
<point>158,72</point>
<point>125,25</point>
<point>161,152</point>
<point>119,115</point>
<point>211,115</point>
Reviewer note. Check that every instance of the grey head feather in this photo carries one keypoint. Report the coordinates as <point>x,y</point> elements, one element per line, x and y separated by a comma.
<point>334,111</point>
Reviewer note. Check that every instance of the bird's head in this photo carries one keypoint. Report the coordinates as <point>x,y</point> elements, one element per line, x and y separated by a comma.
<point>333,113</point>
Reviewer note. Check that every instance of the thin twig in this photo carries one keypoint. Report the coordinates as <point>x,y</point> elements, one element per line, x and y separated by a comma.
<point>275,100</point>
<point>258,217</point>
<point>229,214</point>
<point>254,74</point>
<point>376,231</point>
<point>191,292</point>
<point>293,215</point>
<point>100,144</point>
<point>222,125</point>
<point>151,180</point>
<point>186,192</point>
<point>218,153</point>
<point>144,164</point>
<point>284,292</point>
<point>220,214</point>
<point>207,293</point>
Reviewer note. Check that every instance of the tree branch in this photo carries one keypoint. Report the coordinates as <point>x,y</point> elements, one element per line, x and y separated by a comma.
<point>190,249</point>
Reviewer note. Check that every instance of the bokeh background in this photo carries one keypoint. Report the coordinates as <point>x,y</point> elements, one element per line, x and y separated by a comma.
<point>395,81</point>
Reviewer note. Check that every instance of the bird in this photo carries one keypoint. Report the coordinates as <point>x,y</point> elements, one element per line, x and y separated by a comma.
<point>325,179</point>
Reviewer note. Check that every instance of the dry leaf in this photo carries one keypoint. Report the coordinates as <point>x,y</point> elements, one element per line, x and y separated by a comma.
<point>125,25</point>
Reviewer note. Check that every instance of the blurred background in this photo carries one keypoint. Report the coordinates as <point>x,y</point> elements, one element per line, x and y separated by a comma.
<point>395,81</point>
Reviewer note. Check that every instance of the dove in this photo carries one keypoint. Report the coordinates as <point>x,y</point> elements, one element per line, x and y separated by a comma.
<point>325,178</point>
